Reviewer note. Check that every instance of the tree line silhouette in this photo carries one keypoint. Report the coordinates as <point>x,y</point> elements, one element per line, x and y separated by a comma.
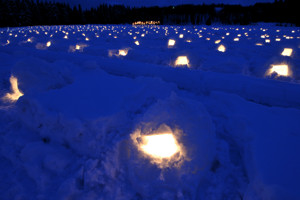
<point>15,13</point>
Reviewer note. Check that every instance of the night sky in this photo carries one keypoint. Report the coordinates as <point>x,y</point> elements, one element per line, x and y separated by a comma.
<point>137,3</point>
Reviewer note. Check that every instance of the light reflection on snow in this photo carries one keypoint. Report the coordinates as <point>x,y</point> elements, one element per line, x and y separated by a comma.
<point>16,93</point>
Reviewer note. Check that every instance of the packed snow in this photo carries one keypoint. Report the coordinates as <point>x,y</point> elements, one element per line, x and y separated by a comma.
<point>150,112</point>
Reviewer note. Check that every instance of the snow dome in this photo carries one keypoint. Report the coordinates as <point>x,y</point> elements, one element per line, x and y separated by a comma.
<point>172,148</point>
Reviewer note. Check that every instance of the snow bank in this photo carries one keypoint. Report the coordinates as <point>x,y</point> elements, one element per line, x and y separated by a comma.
<point>269,92</point>
<point>193,129</point>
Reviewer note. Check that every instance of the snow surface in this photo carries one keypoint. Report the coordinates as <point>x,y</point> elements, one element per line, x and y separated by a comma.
<point>69,136</point>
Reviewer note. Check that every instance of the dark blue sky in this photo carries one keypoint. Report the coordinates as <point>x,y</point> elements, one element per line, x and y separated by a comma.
<point>92,3</point>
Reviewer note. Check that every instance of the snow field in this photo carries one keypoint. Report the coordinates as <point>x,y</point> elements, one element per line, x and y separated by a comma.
<point>89,89</point>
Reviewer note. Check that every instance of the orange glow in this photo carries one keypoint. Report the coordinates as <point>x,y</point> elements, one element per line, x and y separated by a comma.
<point>287,52</point>
<point>182,61</point>
<point>48,44</point>
<point>123,52</point>
<point>77,47</point>
<point>171,43</point>
<point>281,70</point>
<point>16,93</point>
<point>146,23</point>
<point>160,147</point>
<point>222,48</point>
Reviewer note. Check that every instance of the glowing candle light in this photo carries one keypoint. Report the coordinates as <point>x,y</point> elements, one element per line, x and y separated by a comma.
<point>171,43</point>
<point>281,70</point>
<point>182,61</point>
<point>48,44</point>
<point>123,52</point>
<point>160,145</point>
<point>287,52</point>
<point>222,48</point>
<point>16,93</point>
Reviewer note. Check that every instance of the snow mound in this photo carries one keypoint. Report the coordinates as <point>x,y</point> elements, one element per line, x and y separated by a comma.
<point>193,129</point>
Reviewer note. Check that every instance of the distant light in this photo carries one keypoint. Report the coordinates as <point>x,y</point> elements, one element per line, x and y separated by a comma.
<point>217,41</point>
<point>236,39</point>
<point>123,52</point>
<point>277,39</point>
<point>87,39</point>
<point>137,43</point>
<point>181,36</point>
<point>267,41</point>
<point>259,44</point>
<point>66,37</point>
<point>188,41</point>
<point>222,48</point>
<point>77,47</point>
<point>162,147</point>
<point>182,61</point>
<point>287,52</point>
<point>48,44</point>
<point>171,43</point>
